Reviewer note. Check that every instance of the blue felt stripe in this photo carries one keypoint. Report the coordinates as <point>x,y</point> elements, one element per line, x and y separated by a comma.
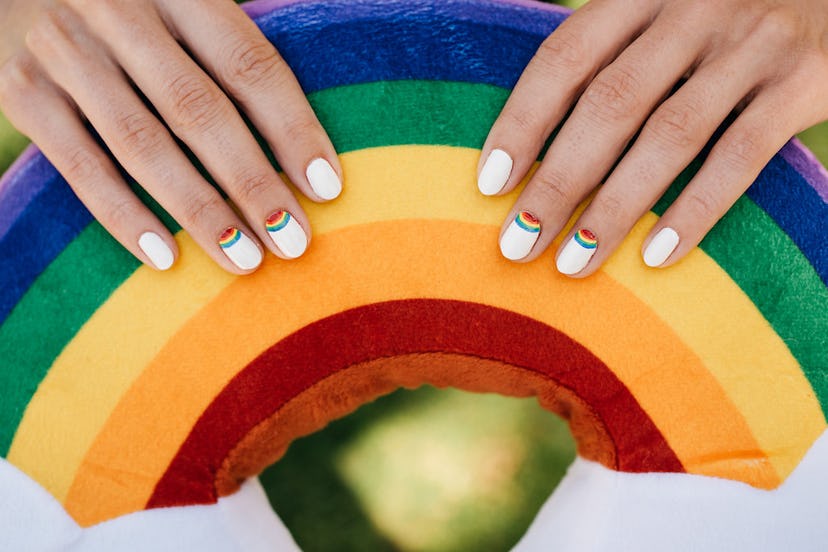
<point>52,220</point>
<point>479,42</point>
<point>784,194</point>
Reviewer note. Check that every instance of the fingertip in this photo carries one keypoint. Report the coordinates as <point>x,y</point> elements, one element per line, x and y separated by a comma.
<point>287,234</point>
<point>157,250</point>
<point>244,252</point>
<point>495,172</point>
<point>323,179</point>
<point>661,247</point>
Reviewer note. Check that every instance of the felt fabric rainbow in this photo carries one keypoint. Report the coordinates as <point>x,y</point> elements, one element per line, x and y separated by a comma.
<point>125,389</point>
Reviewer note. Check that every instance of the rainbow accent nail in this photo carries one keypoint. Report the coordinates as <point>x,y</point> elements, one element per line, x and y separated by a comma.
<point>586,239</point>
<point>520,237</point>
<point>577,253</point>
<point>528,222</point>
<point>240,249</point>
<point>287,234</point>
<point>229,237</point>
<point>277,221</point>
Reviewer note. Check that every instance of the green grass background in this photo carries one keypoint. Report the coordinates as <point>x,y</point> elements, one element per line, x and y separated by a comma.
<point>426,470</point>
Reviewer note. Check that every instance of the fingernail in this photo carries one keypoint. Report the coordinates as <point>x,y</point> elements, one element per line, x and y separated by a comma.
<point>495,172</point>
<point>577,253</point>
<point>323,179</point>
<point>287,234</point>
<point>661,247</point>
<point>157,250</point>
<point>520,236</point>
<point>240,249</point>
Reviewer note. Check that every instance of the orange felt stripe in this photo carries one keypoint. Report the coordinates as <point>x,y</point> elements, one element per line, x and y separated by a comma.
<point>343,392</point>
<point>391,261</point>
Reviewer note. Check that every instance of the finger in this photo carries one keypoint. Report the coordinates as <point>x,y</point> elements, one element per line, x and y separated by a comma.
<point>139,141</point>
<point>606,117</point>
<point>39,110</point>
<point>672,137</point>
<point>250,69</point>
<point>733,164</point>
<point>565,61</point>
<point>198,112</point>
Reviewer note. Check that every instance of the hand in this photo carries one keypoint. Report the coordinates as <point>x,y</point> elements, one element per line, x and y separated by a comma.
<point>619,62</point>
<point>63,61</point>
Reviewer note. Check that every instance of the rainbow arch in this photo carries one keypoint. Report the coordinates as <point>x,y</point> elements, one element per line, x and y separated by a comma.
<point>126,389</point>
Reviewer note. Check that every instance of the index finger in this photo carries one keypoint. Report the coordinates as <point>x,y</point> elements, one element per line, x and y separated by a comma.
<point>249,68</point>
<point>564,63</point>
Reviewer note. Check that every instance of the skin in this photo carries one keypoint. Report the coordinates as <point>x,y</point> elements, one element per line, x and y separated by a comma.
<point>70,62</point>
<point>615,64</point>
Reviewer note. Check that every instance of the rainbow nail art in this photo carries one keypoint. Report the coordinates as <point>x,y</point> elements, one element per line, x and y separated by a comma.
<point>520,237</point>
<point>240,249</point>
<point>586,239</point>
<point>577,253</point>
<point>528,222</point>
<point>230,237</point>
<point>277,221</point>
<point>287,234</point>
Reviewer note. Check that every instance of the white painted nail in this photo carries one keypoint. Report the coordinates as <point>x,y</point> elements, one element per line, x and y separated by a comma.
<point>240,249</point>
<point>520,237</point>
<point>577,253</point>
<point>157,250</point>
<point>661,247</point>
<point>495,172</point>
<point>323,179</point>
<point>287,234</point>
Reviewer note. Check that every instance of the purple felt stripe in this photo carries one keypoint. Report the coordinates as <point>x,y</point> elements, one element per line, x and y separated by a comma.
<point>27,177</point>
<point>807,165</point>
<point>258,8</point>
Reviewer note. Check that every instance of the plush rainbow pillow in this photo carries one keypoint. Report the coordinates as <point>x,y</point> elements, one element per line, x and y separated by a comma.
<point>696,394</point>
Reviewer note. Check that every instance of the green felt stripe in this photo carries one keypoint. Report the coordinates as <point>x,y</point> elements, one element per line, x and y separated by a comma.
<point>389,113</point>
<point>764,261</point>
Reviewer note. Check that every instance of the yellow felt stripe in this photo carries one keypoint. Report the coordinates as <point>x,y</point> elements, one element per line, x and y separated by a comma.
<point>712,315</point>
<point>96,368</point>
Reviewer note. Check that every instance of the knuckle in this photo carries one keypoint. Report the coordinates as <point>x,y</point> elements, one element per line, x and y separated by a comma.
<point>676,126</point>
<point>140,135</point>
<point>779,25</point>
<point>610,207</point>
<point>17,76</point>
<point>82,165</point>
<point>552,186</point>
<point>199,207</point>
<point>741,148</point>
<point>614,94</point>
<point>564,51</point>
<point>252,62</point>
<point>703,204</point>
<point>196,104</point>
<point>253,186</point>
<point>300,129</point>
<point>120,211</point>
<point>524,121</point>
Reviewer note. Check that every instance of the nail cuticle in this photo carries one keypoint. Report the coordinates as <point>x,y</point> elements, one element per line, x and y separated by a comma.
<point>240,249</point>
<point>577,253</point>
<point>287,234</point>
<point>520,236</point>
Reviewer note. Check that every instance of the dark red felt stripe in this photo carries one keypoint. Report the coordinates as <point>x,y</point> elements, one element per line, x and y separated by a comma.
<point>397,328</point>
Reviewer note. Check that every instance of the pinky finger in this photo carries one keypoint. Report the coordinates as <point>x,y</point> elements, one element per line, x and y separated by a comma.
<point>733,164</point>
<point>38,109</point>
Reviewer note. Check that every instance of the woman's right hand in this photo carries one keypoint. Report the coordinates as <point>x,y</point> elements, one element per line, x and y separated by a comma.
<point>65,62</point>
